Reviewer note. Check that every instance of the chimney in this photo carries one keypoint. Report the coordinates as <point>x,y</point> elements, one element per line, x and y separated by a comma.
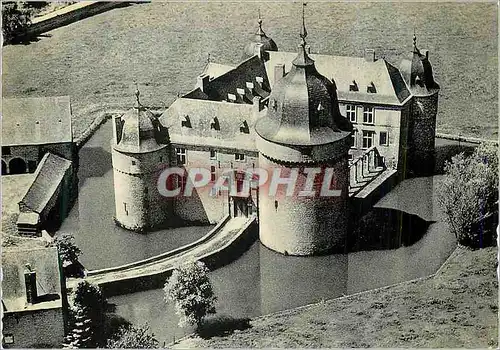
<point>369,55</point>
<point>256,105</point>
<point>202,82</point>
<point>117,128</point>
<point>279,72</point>
<point>30,282</point>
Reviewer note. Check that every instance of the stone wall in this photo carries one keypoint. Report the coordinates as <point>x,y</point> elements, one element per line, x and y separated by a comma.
<point>34,329</point>
<point>305,225</point>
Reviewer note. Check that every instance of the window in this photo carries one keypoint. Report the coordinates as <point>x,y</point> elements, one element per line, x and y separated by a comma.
<point>368,139</point>
<point>6,151</point>
<point>244,129</point>
<point>368,117</point>
<point>239,156</point>
<point>182,182</point>
<point>185,121</point>
<point>349,157</point>
<point>214,124</point>
<point>353,86</point>
<point>133,162</point>
<point>212,173</point>
<point>213,154</point>
<point>384,140</point>
<point>214,191</point>
<point>125,208</point>
<point>8,338</point>
<point>371,88</point>
<point>353,139</point>
<point>350,111</point>
<point>181,156</point>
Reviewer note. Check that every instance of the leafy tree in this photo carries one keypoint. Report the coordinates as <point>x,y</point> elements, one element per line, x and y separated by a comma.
<point>469,196</point>
<point>190,289</point>
<point>134,338</point>
<point>15,20</point>
<point>67,249</point>
<point>89,302</point>
<point>81,335</point>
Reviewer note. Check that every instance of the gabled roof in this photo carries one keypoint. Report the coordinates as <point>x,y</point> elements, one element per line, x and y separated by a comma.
<point>48,176</point>
<point>45,262</point>
<point>389,85</point>
<point>230,117</point>
<point>36,120</point>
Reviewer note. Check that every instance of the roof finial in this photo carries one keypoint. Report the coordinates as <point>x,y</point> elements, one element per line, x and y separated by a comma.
<point>137,94</point>
<point>303,30</point>
<point>208,58</point>
<point>260,31</point>
<point>414,40</point>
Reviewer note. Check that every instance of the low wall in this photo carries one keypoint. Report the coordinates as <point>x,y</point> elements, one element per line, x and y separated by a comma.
<point>184,248</point>
<point>70,14</point>
<point>218,258</point>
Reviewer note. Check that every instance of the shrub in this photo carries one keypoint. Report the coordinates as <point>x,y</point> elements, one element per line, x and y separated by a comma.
<point>67,249</point>
<point>190,289</point>
<point>15,20</point>
<point>469,196</point>
<point>134,338</point>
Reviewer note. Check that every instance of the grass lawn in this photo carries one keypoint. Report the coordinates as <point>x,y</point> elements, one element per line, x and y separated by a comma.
<point>458,307</point>
<point>164,46</point>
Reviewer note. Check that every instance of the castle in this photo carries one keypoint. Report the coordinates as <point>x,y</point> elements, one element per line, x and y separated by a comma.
<point>363,119</point>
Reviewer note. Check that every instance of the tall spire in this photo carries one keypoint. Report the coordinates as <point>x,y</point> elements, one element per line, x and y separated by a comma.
<point>260,31</point>
<point>415,49</point>
<point>303,30</point>
<point>303,58</point>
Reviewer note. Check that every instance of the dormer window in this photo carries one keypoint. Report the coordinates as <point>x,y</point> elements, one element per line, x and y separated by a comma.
<point>353,86</point>
<point>259,80</point>
<point>250,85</point>
<point>214,124</point>
<point>240,92</point>
<point>244,129</point>
<point>185,121</point>
<point>371,88</point>
<point>231,97</point>
<point>320,107</point>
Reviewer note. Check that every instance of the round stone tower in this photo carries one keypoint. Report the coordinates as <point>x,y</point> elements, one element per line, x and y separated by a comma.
<point>140,150</point>
<point>417,72</point>
<point>260,45</point>
<point>303,130</point>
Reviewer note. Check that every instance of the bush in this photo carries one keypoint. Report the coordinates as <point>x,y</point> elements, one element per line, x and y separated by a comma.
<point>67,249</point>
<point>190,289</point>
<point>469,196</point>
<point>15,21</point>
<point>134,338</point>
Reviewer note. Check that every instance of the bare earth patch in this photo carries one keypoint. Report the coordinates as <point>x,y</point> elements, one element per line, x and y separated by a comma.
<point>455,308</point>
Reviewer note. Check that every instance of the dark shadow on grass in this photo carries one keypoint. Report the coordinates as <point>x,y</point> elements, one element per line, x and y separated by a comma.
<point>28,39</point>
<point>219,326</point>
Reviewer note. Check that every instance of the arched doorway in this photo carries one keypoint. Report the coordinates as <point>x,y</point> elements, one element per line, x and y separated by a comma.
<point>17,166</point>
<point>4,167</point>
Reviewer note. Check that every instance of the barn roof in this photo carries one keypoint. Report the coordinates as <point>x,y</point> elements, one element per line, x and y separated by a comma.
<point>36,120</point>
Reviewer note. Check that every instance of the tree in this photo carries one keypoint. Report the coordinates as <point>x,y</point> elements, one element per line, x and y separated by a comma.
<point>67,249</point>
<point>469,196</point>
<point>89,303</point>
<point>134,338</point>
<point>190,289</point>
<point>15,20</point>
<point>81,335</point>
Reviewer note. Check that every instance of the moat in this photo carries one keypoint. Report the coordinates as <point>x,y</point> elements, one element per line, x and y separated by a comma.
<point>261,281</point>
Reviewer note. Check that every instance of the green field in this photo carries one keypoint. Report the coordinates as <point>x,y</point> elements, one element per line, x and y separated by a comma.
<point>163,46</point>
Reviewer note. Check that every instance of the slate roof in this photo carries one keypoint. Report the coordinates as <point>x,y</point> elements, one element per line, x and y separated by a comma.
<point>36,120</point>
<point>388,82</point>
<point>201,114</point>
<point>237,78</point>
<point>46,264</point>
<point>303,108</point>
<point>47,177</point>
